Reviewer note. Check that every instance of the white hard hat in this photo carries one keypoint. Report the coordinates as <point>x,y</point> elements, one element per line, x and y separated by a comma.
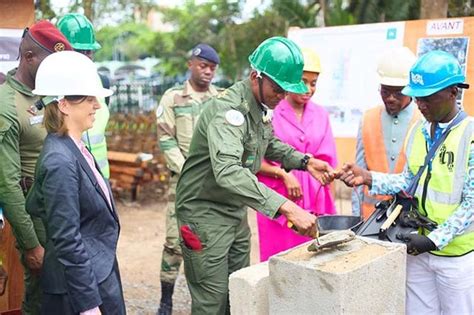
<point>68,73</point>
<point>394,66</point>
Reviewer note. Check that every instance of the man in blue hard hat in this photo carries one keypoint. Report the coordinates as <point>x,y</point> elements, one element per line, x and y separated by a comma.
<point>440,265</point>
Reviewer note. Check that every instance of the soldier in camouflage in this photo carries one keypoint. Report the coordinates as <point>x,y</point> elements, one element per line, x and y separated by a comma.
<point>218,182</point>
<point>177,115</point>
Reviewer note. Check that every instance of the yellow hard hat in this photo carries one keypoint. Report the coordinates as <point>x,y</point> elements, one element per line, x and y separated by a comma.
<point>312,63</point>
<point>394,66</point>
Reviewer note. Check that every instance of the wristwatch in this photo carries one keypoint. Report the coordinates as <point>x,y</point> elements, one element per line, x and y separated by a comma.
<point>304,161</point>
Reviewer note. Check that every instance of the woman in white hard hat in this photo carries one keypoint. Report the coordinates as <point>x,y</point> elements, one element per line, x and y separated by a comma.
<point>305,126</point>
<point>80,272</point>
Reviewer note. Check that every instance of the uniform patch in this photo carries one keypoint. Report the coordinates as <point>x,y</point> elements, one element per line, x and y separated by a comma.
<point>267,116</point>
<point>250,160</point>
<point>36,120</point>
<point>159,111</point>
<point>234,117</point>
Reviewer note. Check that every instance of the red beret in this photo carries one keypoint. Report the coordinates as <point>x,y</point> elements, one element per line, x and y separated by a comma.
<point>46,35</point>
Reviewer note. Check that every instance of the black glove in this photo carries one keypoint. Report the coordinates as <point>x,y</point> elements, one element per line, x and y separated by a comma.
<point>417,244</point>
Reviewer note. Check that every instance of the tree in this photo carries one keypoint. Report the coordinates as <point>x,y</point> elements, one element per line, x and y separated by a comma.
<point>44,10</point>
<point>298,13</point>
<point>433,9</point>
<point>128,41</point>
<point>193,24</point>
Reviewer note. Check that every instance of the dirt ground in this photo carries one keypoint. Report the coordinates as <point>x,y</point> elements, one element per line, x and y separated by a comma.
<point>139,253</point>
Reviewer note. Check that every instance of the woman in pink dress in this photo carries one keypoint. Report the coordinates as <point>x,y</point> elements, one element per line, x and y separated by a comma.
<point>305,126</point>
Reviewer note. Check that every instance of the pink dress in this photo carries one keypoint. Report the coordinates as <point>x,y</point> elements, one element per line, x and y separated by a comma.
<point>313,135</point>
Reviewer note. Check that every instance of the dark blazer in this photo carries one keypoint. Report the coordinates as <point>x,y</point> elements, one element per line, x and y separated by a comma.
<point>81,228</point>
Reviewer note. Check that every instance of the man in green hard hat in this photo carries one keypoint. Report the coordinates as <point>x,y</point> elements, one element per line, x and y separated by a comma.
<point>80,33</point>
<point>218,181</point>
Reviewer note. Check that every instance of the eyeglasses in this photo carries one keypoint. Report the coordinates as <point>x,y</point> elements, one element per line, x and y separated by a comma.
<point>275,87</point>
<point>386,93</point>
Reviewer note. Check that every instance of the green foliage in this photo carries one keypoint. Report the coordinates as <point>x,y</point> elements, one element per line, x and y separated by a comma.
<point>460,8</point>
<point>235,44</point>
<point>298,13</point>
<point>193,24</point>
<point>125,42</point>
<point>219,23</point>
<point>373,11</point>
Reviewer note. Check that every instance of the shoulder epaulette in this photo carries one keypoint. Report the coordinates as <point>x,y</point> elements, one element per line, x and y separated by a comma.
<point>174,88</point>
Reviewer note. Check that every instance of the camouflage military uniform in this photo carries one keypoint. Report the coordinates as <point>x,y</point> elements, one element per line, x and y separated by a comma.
<point>177,116</point>
<point>218,183</point>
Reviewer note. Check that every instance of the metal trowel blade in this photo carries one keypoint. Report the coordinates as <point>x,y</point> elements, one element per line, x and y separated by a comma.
<point>331,240</point>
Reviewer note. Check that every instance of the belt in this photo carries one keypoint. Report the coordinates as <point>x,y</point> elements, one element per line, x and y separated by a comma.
<point>26,183</point>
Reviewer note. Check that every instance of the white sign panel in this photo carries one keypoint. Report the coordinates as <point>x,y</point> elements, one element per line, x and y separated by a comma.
<point>9,46</point>
<point>348,84</point>
<point>445,27</point>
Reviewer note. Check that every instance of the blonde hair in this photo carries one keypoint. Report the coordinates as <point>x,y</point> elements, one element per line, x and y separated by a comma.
<point>53,120</point>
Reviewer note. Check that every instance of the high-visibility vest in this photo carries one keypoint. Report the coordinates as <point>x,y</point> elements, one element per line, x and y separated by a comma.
<point>95,140</point>
<point>440,193</point>
<point>375,153</point>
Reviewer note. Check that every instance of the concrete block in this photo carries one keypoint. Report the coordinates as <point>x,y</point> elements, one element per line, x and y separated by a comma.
<point>248,290</point>
<point>364,276</point>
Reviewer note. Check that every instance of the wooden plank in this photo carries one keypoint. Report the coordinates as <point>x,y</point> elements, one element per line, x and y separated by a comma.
<point>128,170</point>
<point>123,157</point>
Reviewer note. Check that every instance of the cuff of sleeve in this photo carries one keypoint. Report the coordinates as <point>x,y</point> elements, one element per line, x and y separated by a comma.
<point>26,239</point>
<point>437,239</point>
<point>294,161</point>
<point>92,311</point>
<point>376,177</point>
<point>87,305</point>
<point>29,243</point>
<point>272,205</point>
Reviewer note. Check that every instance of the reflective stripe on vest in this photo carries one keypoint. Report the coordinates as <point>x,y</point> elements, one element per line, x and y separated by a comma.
<point>444,187</point>
<point>375,153</point>
<point>95,139</point>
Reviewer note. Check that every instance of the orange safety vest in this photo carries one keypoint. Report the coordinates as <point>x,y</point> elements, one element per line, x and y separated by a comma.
<point>375,153</point>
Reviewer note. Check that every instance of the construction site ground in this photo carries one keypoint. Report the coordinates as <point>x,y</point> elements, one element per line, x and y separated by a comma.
<point>139,253</point>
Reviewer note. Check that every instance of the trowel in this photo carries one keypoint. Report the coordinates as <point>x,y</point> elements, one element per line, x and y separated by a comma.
<point>331,240</point>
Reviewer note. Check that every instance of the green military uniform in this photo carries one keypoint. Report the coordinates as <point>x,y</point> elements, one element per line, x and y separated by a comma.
<point>177,115</point>
<point>21,140</point>
<point>216,186</point>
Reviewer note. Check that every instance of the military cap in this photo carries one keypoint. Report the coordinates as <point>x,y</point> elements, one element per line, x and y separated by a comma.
<point>47,36</point>
<point>205,51</point>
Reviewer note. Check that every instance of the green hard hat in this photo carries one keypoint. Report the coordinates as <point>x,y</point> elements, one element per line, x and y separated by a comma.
<point>280,59</point>
<point>79,31</point>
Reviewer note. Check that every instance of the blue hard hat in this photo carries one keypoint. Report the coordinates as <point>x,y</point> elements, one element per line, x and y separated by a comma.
<point>432,72</point>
